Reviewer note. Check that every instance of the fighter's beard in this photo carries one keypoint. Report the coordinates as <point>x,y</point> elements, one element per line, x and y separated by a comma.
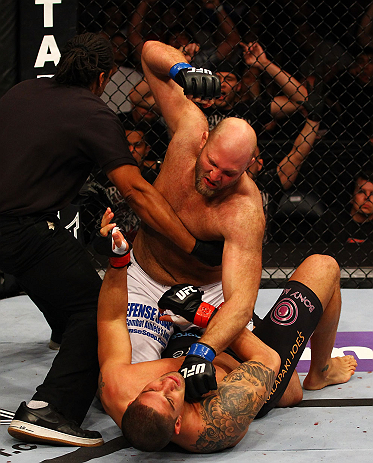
<point>199,185</point>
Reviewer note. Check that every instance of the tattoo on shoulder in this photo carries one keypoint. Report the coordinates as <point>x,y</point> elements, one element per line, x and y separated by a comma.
<point>227,413</point>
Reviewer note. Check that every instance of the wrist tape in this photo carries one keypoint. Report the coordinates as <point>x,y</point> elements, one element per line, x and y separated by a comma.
<point>120,262</point>
<point>202,350</point>
<point>176,68</point>
<point>204,314</point>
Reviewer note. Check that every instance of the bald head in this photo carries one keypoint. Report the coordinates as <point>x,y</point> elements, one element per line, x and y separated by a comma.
<point>236,138</point>
<point>228,152</point>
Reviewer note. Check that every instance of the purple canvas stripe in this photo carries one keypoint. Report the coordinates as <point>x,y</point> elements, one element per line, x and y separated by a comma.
<point>356,343</point>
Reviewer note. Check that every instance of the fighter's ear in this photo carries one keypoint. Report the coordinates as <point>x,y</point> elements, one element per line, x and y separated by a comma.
<point>205,136</point>
<point>178,425</point>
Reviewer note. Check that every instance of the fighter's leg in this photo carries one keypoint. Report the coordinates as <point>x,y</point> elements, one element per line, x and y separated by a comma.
<point>287,328</point>
<point>293,393</point>
<point>321,274</point>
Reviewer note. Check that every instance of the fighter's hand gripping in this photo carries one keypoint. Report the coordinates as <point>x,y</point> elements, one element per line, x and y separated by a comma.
<point>109,241</point>
<point>198,371</point>
<point>198,82</point>
<point>186,301</point>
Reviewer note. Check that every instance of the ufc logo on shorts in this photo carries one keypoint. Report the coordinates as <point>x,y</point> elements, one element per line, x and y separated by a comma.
<point>184,292</point>
<point>195,370</point>
<point>200,70</point>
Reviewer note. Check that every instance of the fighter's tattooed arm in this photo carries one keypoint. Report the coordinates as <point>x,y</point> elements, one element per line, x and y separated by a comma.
<point>227,413</point>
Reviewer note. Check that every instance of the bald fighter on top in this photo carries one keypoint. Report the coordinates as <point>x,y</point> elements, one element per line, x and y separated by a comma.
<point>204,179</point>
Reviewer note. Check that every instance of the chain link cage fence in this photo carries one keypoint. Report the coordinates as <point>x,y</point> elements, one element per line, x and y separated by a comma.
<point>324,205</point>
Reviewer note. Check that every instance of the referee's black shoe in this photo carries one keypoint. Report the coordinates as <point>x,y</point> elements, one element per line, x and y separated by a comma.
<point>46,426</point>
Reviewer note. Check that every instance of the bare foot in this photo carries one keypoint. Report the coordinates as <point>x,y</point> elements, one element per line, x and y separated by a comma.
<point>340,370</point>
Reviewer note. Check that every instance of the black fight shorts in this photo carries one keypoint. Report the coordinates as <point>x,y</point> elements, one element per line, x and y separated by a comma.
<point>287,328</point>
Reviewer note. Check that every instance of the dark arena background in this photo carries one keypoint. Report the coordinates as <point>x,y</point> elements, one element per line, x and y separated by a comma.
<point>328,42</point>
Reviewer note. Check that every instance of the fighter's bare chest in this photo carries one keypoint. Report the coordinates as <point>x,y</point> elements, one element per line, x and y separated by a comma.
<point>195,211</point>
<point>197,216</point>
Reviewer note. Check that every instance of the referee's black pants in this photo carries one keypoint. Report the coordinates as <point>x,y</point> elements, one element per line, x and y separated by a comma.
<point>56,273</point>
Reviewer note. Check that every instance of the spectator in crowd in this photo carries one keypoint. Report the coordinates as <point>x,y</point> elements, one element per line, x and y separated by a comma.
<point>121,83</point>
<point>262,111</point>
<point>126,219</point>
<point>139,27</point>
<point>214,30</point>
<point>354,225</point>
<point>112,19</point>
<point>120,48</point>
<point>273,182</point>
<point>350,97</point>
<point>52,133</point>
<point>364,34</point>
<point>144,111</point>
<point>205,22</point>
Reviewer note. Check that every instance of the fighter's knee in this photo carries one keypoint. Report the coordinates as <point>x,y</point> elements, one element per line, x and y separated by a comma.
<point>272,360</point>
<point>268,357</point>
<point>324,262</point>
<point>276,362</point>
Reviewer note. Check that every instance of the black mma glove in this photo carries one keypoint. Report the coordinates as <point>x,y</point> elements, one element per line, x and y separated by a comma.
<point>198,371</point>
<point>315,103</point>
<point>186,301</point>
<point>208,252</point>
<point>118,258</point>
<point>199,82</point>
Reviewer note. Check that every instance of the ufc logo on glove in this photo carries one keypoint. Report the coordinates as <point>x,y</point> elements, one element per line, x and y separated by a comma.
<point>195,370</point>
<point>184,292</point>
<point>200,71</point>
<point>198,82</point>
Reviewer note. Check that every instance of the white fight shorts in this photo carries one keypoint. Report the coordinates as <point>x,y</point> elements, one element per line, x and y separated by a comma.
<point>149,335</point>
